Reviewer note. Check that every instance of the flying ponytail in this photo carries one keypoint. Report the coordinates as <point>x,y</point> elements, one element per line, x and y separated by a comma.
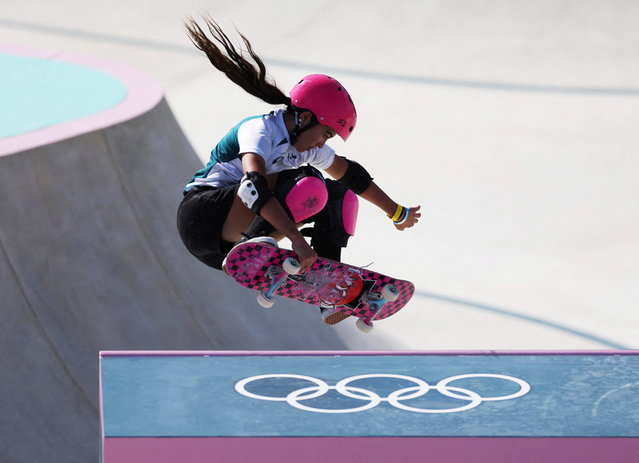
<point>251,76</point>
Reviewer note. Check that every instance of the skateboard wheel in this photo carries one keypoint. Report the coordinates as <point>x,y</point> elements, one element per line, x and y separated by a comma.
<point>291,266</point>
<point>390,293</point>
<point>264,301</point>
<point>363,326</point>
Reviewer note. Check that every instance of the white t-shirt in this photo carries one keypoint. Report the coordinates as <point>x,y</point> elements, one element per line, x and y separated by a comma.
<point>266,136</point>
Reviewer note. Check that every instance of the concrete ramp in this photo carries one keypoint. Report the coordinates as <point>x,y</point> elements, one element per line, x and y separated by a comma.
<point>90,259</point>
<point>369,407</point>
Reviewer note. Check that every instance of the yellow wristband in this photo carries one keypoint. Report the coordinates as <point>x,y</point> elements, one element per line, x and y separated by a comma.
<point>398,213</point>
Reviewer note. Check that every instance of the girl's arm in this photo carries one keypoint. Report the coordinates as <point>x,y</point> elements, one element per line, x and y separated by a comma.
<point>377,196</point>
<point>273,212</point>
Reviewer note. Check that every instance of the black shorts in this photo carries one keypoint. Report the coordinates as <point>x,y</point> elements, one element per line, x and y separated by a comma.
<point>200,219</point>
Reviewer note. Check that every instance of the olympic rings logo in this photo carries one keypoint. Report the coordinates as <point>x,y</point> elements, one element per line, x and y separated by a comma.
<point>396,398</point>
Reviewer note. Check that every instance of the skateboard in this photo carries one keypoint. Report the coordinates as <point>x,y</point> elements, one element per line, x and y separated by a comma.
<point>356,291</point>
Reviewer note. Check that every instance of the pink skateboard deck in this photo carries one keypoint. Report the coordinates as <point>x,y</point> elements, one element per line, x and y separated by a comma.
<point>348,288</point>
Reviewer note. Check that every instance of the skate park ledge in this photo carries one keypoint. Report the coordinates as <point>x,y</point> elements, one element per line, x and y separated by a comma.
<point>369,406</point>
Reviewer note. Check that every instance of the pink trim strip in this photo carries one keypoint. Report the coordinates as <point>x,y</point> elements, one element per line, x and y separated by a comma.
<point>143,94</point>
<point>370,449</point>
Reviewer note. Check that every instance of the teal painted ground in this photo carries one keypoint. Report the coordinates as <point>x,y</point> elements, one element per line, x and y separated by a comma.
<point>37,93</point>
<point>569,395</point>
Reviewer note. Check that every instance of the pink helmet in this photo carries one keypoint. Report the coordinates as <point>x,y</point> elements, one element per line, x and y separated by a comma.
<point>328,101</point>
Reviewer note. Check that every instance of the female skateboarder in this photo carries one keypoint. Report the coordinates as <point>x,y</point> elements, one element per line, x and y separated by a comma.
<point>263,178</point>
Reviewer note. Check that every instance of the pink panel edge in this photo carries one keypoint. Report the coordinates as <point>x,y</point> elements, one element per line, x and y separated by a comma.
<point>143,93</point>
<point>336,449</point>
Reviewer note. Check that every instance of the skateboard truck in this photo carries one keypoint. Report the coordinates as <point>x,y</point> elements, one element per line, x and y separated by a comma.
<point>278,277</point>
<point>375,302</point>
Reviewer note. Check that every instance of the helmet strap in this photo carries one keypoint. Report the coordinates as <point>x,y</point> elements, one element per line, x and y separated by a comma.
<point>298,129</point>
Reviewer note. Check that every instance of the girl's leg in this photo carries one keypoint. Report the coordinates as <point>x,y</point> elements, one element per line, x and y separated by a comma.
<point>335,224</point>
<point>301,192</point>
<point>237,222</point>
<point>306,197</point>
<point>200,220</point>
<point>241,217</point>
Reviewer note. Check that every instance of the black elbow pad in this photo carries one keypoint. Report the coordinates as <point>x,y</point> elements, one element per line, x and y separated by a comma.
<point>356,177</point>
<point>253,191</point>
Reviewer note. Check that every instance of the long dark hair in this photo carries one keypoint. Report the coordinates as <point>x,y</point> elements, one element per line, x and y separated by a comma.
<point>251,76</point>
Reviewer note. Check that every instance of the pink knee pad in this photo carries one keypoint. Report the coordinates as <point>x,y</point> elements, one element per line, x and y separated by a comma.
<point>350,207</point>
<point>306,198</point>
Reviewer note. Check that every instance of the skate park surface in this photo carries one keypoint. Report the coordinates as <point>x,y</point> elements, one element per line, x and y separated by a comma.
<point>513,126</point>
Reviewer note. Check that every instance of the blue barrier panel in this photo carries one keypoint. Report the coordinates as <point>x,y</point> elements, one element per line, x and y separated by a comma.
<point>371,395</point>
